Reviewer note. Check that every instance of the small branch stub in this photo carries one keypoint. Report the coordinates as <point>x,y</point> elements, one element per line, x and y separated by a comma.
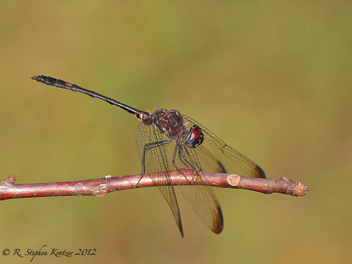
<point>234,180</point>
<point>100,190</point>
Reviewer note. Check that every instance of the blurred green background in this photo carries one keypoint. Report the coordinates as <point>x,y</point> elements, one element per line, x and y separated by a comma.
<point>272,79</point>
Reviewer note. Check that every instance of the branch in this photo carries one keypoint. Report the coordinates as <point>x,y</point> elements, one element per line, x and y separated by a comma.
<point>100,187</point>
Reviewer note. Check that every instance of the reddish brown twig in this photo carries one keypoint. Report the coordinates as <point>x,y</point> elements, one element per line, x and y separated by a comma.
<point>100,187</point>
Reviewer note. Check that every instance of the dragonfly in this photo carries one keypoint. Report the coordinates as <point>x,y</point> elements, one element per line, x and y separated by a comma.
<point>170,141</point>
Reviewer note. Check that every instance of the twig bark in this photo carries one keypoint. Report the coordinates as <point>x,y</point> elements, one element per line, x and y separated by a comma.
<point>100,187</point>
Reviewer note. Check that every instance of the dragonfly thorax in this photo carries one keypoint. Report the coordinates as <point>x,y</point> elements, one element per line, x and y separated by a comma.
<point>170,123</point>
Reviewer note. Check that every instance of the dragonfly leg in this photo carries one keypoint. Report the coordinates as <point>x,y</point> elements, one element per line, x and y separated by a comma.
<point>183,160</point>
<point>149,147</point>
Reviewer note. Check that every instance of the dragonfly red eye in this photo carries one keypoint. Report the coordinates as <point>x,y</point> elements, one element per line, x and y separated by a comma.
<point>196,132</point>
<point>194,137</point>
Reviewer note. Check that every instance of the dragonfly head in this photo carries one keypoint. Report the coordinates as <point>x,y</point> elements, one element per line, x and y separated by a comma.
<point>194,137</point>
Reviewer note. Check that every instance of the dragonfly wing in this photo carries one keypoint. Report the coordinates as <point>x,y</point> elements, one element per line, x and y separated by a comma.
<point>228,159</point>
<point>157,159</point>
<point>198,193</point>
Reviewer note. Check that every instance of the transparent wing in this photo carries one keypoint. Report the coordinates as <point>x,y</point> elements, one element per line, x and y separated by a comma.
<point>216,156</point>
<point>157,159</point>
<point>199,194</point>
<point>172,156</point>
